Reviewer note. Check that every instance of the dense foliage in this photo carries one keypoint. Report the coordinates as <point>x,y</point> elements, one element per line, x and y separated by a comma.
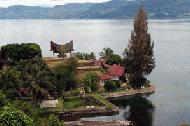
<point>54,121</point>
<point>139,60</point>
<point>36,77</point>
<point>33,76</point>
<point>110,57</point>
<point>10,81</point>
<point>91,82</point>
<point>10,116</point>
<point>66,75</point>
<point>16,52</point>
<point>111,85</point>
<point>85,56</point>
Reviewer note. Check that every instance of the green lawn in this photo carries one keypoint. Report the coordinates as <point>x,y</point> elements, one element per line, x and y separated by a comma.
<point>73,103</point>
<point>103,101</point>
<point>77,103</point>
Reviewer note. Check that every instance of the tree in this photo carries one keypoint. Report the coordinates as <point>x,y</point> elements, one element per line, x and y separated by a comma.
<point>10,82</point>
<point>91,81</point>
<point>110,57</point>
<point>65,75</point>
<point>37,78</point>
<point>139,57</point>
<point>107,52</point>
<point>85,56</point>
<point>16,52</point>
<point>114,59</point>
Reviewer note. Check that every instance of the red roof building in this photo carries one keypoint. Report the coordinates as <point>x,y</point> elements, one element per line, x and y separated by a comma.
<point>105,77</point>
<point>114,72</point>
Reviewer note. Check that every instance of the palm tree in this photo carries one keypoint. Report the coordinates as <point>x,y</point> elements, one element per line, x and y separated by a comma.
<point>107,52</point>
<point>37,78</point>
<point>10,82</point>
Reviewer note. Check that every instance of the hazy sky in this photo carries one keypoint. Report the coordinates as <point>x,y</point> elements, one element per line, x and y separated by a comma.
<point>6,3</point>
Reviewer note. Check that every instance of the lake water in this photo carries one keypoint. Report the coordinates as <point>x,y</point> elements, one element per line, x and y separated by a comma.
<point>172,51</point>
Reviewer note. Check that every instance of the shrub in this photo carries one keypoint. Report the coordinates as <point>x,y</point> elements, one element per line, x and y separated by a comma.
<point>91,81</point>
<point>111,85</point>
<point>10,116</point>
<point>3,100</point>
<point>54,121</point>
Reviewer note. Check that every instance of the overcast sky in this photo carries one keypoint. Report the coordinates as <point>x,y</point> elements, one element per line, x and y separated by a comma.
<point>6,3</point>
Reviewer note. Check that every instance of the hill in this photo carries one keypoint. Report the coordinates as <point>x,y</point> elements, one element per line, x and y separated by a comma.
<point>114,9</point>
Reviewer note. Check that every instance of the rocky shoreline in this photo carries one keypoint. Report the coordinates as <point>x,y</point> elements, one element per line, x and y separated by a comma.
<point>130,93</point>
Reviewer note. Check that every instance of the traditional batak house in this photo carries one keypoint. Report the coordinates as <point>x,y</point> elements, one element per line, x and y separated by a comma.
<point>115,72</point>
<point>63,50</point>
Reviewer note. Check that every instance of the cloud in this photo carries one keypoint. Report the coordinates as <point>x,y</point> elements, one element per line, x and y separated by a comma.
<point>6,3</point>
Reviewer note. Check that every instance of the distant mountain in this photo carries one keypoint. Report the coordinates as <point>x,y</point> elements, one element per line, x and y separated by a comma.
<point>114,9</point>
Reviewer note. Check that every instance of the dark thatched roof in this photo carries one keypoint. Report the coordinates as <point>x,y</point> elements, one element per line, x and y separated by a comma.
<point>61,49</point>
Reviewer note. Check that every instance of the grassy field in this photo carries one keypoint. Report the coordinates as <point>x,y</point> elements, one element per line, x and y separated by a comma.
<point>77,103</point>
<point>103,101</point>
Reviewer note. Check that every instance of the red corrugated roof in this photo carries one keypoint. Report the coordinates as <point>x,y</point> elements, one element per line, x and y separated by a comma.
<point>116,70</point>
<point>105,77</point>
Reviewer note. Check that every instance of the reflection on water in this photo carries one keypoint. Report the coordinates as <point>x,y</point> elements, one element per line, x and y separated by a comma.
<point>139,110</point>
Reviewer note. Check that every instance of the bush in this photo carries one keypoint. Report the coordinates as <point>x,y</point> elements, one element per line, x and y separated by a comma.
<point>91,81</point>
<point>54,121</point>
<point>3,100</point>
<point>111,85</point>
<point>16,52</point>
<point>10,116</point>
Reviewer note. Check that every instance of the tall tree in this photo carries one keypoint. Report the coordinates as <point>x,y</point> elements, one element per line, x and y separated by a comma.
<point>139,57</point>
<point>37,78</point>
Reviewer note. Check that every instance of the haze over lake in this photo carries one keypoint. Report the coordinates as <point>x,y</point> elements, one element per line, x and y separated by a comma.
<point>172,51</point>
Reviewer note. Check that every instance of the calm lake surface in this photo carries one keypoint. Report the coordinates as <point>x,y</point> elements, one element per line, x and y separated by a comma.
<point>172,51</point>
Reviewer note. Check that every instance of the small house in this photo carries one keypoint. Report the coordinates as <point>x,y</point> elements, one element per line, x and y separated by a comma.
<point>114,72</point>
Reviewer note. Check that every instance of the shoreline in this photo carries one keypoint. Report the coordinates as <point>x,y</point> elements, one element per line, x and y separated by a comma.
<point>130,93</point>
<point>74,115</point>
